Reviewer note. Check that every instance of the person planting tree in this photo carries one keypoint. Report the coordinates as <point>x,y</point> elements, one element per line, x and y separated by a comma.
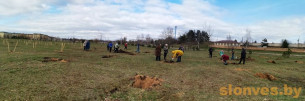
<point>177,54</point>
<point>225,58</point>
<point>116,48</point>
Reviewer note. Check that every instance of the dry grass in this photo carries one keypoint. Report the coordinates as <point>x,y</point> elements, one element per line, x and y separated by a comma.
<point>88,76</point>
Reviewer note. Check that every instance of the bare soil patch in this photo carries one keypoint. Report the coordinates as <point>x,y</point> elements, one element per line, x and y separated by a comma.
<point>146,52</point>
<point>250,59</point>
<point>51,59</point>
<point>146,82</point>
<point>241,69</point>
<point>233,63</point>
<point>299,62</point>
<point>166,61</point>
<point>108,56</point>
<point>129,53</point>
<point>271,61</point>
<point>265,76</point>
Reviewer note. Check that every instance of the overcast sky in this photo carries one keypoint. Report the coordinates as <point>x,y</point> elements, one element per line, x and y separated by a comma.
<point>114,19</point>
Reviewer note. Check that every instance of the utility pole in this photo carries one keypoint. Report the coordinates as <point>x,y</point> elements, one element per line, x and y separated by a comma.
<point>175,32</point>
<point>299,42</point>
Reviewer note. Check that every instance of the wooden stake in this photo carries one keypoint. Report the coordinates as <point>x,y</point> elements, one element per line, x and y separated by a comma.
<point>15,46</point>
<point>62,47</point>
<point>8,47</point>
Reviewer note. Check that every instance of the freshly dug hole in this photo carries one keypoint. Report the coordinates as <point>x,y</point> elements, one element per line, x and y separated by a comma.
<point>107,56</point>
<point>271,61</point>
<point>129,53</point>
<point>166,61</point>
<point>51,59</point>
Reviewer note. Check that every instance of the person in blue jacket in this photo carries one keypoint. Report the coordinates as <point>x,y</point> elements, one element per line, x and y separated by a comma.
<point>138,48</point>
<point>110,46</point>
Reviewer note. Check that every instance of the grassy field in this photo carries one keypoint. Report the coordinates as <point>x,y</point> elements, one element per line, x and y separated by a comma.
<point>87,76</point>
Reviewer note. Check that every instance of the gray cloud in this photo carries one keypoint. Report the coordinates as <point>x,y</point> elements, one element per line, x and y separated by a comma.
<point>118,18</point>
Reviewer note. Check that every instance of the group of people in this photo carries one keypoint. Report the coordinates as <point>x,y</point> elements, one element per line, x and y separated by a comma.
<point>225,57</point>
<point>175,54</point>
<point>116,47</point>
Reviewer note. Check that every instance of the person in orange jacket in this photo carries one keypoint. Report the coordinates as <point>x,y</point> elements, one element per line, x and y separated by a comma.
<point>177,54</point>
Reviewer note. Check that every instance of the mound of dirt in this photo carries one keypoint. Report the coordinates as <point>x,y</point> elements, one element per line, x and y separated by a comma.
<point>146,52</point>
<point>129,53</point>
<point>271,61</point>
<point>265,76</point>
<point>107,56</point>
<point>166,61</point>
<point>250,59</point>
<point>146,82</point>
<point>50,59</point>
<point>233,63</point>
<point>299,62</point>
<point>241,69</point>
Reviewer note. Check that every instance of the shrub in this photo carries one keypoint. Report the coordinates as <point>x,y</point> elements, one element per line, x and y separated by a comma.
<point>285,44</point>
<point>287,53</point>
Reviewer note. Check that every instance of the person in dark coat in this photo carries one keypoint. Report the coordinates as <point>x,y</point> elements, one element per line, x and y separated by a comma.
<point>181,48</point>
<point>158,53</point>
<point>87,45</point>
<point>138,48</point>
<point>179,57</point>
<point>165,51</point>
<point>243,56</point>
<point>233,53</point>
<point>211,52</point>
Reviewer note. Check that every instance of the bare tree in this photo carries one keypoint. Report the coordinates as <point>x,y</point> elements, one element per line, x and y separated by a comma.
<point>101,36</point>
<point>209,29</point>
<point>248,37</point>
<point>142,36</point>
<point>229,37</point>
<point>168,32</point>
<point>148,39</point>
<point>138,37</point>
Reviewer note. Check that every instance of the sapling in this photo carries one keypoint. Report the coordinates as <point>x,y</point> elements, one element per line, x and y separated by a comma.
<point>8,46</point>
<point>15,46</point>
